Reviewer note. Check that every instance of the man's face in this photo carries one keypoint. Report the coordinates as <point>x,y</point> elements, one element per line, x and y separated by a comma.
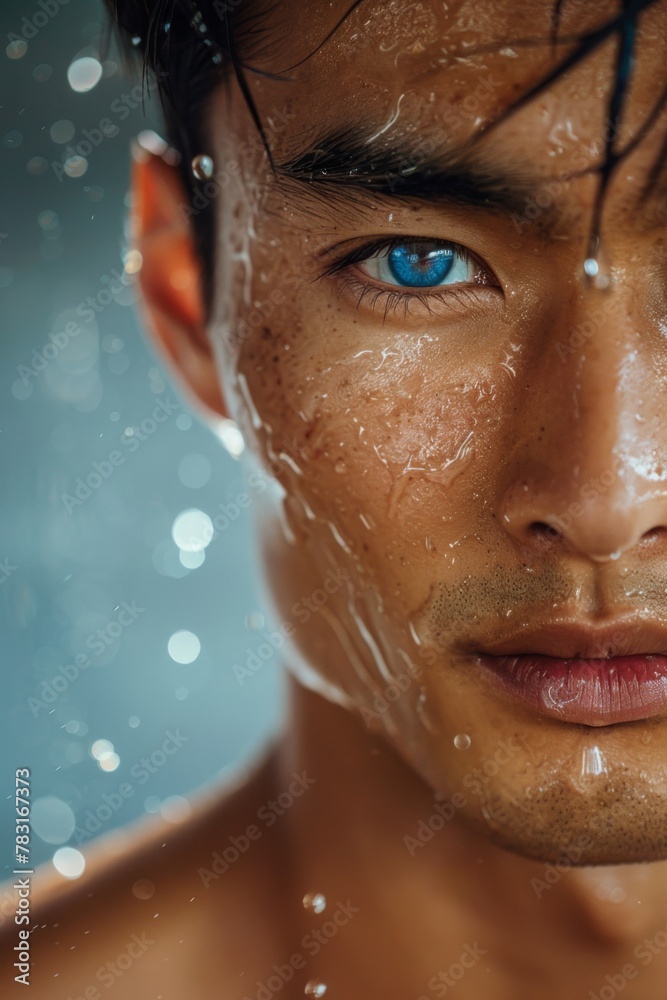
<point>466,435</point>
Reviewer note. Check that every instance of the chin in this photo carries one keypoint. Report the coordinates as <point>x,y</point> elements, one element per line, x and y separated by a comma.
<point>613,826</point>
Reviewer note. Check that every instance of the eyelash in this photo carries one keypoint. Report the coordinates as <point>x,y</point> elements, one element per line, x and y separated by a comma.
<point>451,296</point>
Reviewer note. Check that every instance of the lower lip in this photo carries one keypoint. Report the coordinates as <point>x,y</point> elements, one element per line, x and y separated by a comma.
<point>595,692</point>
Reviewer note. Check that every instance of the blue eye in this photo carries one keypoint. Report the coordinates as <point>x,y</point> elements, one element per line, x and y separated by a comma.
<point>411,265</point>
<point>420,264</point>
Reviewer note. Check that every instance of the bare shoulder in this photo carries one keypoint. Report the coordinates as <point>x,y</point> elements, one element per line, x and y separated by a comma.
<point>161,910</point>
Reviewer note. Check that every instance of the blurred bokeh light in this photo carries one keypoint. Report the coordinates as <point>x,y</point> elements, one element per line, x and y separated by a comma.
<point>121,623</point>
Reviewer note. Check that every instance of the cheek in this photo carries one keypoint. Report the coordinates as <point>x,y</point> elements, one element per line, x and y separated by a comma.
<point>382,441</point>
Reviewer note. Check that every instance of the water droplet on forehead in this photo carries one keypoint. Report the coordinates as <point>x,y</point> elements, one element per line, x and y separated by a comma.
<point>315,989</point>
<point>596,269</point>
<point>315,901</point>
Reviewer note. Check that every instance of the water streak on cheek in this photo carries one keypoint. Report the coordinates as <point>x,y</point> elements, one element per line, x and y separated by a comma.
<point>437,443</point>
<point>242,255</point>
<point>244,390</point>
<point>239,212</point>
<point>444,475</point>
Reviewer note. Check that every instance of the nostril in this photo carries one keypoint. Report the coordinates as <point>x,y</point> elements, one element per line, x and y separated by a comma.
<point>541,530</point>
<point>652,534</point>
<point>542,535</point>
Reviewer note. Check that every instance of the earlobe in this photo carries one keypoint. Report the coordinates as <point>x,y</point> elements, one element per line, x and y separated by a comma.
<point>170,280</point>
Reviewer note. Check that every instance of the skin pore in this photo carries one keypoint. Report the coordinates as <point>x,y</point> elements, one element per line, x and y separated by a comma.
<point>448,467</point>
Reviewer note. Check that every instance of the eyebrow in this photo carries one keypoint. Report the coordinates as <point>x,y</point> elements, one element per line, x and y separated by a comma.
<point>348,159</point>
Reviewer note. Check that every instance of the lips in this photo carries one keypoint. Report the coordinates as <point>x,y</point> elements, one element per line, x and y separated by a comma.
<point>594,676</point>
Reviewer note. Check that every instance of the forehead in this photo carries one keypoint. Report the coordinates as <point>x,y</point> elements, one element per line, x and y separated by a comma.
<point>422,29</point>
<point>402,67</point>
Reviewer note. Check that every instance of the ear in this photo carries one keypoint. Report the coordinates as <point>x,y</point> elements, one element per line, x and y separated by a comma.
<point>170,280</point>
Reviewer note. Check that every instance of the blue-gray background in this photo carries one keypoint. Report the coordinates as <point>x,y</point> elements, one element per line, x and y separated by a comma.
<point>64,573</point>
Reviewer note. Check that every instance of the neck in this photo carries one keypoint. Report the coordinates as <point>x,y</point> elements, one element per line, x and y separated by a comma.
<point>347,839</point>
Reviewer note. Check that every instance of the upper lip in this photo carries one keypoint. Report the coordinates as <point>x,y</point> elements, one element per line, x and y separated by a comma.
<point>575,639</point>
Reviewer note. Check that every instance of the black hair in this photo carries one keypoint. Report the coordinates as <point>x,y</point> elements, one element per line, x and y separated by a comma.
<point>190,46</point>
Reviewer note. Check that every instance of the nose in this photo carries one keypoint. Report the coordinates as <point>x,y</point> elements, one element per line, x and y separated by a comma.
<point>588,468</point>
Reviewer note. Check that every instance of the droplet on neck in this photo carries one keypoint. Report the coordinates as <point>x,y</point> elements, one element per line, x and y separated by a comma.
<point>462,741</point>
<point>315,901</point>
<point>315,989</point>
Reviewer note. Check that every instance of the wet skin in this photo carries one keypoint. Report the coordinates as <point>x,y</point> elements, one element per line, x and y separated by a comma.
<point>464,462</point>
